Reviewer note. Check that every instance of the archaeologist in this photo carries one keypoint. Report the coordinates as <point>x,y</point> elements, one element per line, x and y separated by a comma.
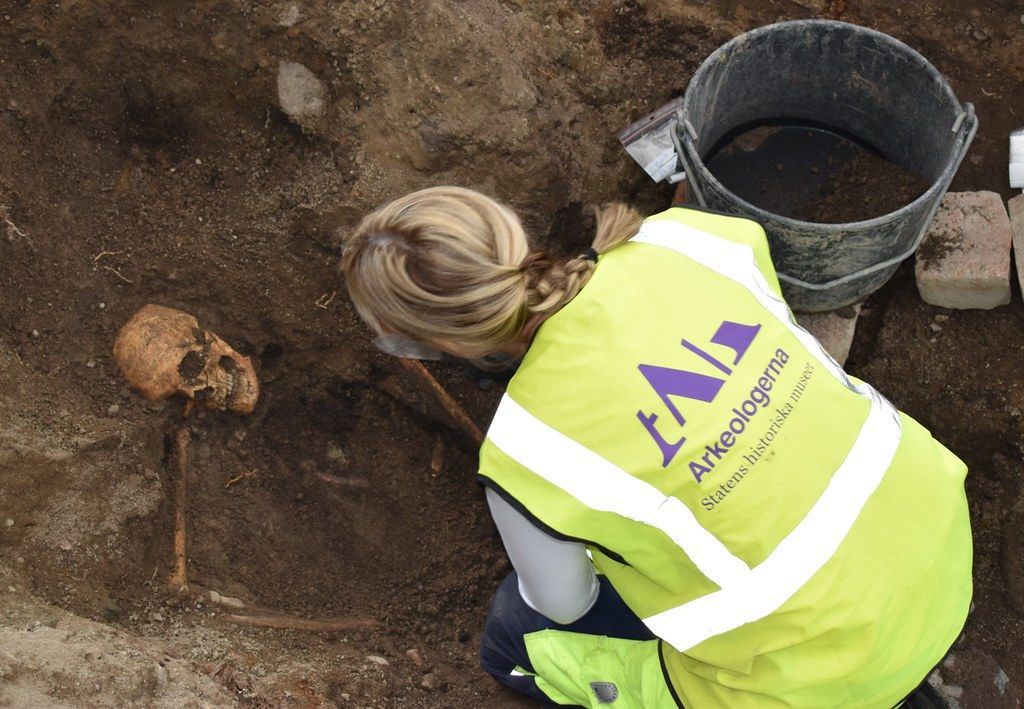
<point>765,529</point>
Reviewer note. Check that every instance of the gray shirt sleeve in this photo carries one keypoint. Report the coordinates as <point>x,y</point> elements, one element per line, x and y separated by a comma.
<point>556,578</point>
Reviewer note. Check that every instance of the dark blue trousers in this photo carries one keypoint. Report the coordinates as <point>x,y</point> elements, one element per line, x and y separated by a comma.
<point>510,619</point>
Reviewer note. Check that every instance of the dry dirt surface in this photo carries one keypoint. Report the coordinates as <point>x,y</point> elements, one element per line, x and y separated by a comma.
<point>145,157</point>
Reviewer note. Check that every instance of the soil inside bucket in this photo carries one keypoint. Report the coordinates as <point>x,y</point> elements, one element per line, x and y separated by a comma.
<point>811,173</point>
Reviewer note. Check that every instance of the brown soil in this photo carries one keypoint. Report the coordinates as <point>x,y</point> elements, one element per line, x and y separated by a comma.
<point>143,158</point>
<point>958,373</point>
<point>813,175</point>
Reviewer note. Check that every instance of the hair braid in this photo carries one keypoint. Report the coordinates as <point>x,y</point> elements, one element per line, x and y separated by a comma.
<point>449,265</point>
<point>552,282</point>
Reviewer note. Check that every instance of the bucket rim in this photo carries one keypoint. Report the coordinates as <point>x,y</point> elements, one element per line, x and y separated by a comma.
<point>940,183</point>
<point>745,37</point>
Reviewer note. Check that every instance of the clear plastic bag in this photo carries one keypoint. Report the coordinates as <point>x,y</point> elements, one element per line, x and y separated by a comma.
<point>649,142</point>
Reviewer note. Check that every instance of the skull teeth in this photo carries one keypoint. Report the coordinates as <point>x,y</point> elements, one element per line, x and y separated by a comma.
<point>232,384</point>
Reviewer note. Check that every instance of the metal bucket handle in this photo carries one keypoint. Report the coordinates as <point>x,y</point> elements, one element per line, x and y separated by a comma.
<point>966,124</point>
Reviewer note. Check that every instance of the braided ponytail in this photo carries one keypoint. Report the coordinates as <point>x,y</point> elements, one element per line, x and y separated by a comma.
<point>453,268</point>
<point>551,282</point>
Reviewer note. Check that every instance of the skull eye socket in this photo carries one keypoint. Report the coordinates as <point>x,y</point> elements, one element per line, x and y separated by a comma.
<point>191,365</point>
<point>227,363</point>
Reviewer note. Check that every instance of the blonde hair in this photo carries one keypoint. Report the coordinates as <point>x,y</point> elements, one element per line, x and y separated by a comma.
<point>450,265</point>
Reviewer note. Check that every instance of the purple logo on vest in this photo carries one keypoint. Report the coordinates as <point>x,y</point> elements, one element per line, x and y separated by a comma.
<point>668,382</point>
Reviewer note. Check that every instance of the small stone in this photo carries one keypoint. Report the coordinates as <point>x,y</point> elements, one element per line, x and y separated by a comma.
<point>952,691</point>
<point>430,681</point>
<point>964,260</point>
<point>336,453</point>
<point>1001,681</point>
<point>935,327</point>
<point>414,655</point>
<point>941,318</point>
<point>289,16</point>
<point>113,409</point>
<point>226,601</point>
<point>301,94</point>
<point>91,364</point>
<point>8,522</point>
<point>157,618</point>
<point>65,545</point>
<point>35,334</point>
<point>377,660</point>
<point>102,306</point>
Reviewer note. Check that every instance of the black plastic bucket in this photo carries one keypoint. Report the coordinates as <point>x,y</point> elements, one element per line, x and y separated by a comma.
<point>859,81</point>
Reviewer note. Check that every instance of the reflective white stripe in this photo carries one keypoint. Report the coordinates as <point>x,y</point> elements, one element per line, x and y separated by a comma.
<point>818,536</point>
<point>601,485</point>
<point>804,550</point>
<point>736,262</point>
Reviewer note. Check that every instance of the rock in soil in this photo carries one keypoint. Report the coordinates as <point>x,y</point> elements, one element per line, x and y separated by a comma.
<point>301,94</point>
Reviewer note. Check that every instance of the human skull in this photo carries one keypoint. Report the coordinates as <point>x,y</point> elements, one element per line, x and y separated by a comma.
<point>162,351</point>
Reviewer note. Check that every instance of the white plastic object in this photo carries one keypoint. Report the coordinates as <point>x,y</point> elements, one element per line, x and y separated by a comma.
<point>1017,159</point>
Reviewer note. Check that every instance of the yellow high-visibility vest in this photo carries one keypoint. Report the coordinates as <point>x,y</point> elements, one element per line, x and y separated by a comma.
<point>791,537</point>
